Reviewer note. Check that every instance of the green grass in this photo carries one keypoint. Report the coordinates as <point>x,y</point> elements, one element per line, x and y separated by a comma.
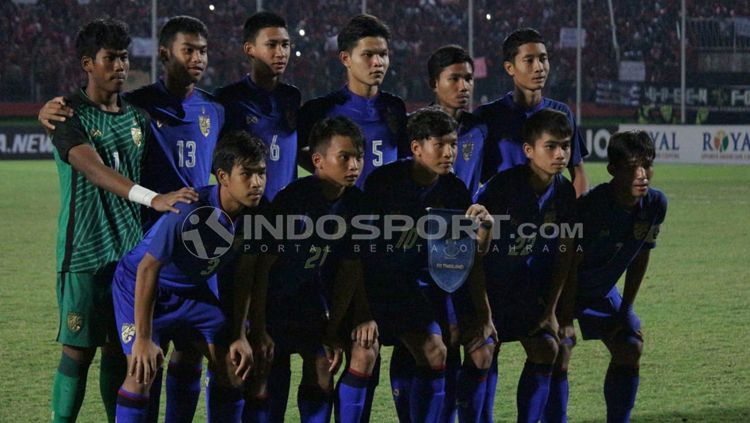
<point>694,304</point>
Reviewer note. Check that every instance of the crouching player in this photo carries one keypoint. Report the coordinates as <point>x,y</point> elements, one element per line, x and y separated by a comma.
<point>405,301</point>
<point>529,260</point>
<point>620,221</point>
<point>311,281</point>
<point>166,289</point>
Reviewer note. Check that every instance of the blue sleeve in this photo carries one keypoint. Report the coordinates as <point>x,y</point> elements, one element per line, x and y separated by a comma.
<point>166,235</point>
<point>661,212</point>
<point>578,145</point>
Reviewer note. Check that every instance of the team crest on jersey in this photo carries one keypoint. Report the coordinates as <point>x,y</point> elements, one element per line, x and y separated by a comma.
<point>204,121</point>
<point>159,123</point>
<point>75,322</point>
<point>95,133</point>
<point>550,217</point>
<point>251,120</point>
<point>466,150</point>
<point>137,135</point>
<point>640,229</point>
<point>127,332</point>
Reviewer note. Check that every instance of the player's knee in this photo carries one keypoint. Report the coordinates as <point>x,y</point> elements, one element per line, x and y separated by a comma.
<point>628,351</point>
<point>543,350</point>
<point>366,356</point>
<point>83,356</point>
<point>482,356</point>
<point>436,353</point>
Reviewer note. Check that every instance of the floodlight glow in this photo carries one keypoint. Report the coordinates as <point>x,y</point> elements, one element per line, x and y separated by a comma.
<point>301,32</point>
<point>211,7</point>
<point>488,17</point>
<point>298,53</point>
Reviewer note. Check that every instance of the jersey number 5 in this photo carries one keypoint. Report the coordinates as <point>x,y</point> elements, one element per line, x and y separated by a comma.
<point>376,151</point>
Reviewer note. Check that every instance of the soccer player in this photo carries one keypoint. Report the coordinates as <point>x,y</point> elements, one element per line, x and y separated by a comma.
<point>98,154</point>
<point>263,105</point>
<point>166,289</point>
<point>405,301</point>
<point>451,77</point>
<point>311,283</point>
<point>529,260</point>
<point>526,61</point>
<point>621,221</point>
<point>364,52</point>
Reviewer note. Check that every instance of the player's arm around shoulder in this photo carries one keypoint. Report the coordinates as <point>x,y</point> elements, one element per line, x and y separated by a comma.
<point>146,357</point>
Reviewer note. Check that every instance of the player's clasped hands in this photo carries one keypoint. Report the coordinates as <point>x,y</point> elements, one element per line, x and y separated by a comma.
<point>241,355</point>
<point>480,215</point>
<point>146,359</point>
<point>365,334</point>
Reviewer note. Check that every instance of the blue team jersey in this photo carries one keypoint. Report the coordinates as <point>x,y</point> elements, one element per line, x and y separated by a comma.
<point>306,267</point>
<point>391,190</point>
<point>470,150</point>
<point>521,260</point>
<point>185,132</point>
<point>272,117</point>
<point>382,119</point>
<point>191,250</point>
<point>613,236</point>
<point>505,119</point>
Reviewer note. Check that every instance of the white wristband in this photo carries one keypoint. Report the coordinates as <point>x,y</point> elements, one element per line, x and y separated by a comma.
<point>141,195</point>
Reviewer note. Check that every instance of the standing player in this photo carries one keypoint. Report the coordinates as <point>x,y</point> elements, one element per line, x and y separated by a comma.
<point>263,105</point>
<point>165,288</point>
<point>527,62</point>
<point>406,303</point>
<point>527,265</point>
<point>451,77</point>
<point>621,221</point>
<point>311,283</point>
<point>364,52</point>
<point>98,153</point>
<point>185,124</point>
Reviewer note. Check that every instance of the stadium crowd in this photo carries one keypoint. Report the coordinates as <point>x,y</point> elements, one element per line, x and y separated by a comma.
<point>39,37</point>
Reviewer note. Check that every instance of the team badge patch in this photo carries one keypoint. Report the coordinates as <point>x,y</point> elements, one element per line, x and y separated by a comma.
<point>640,229</point>
<point>466,150</point>
<point>75,322</point>
<point>204,121</point>
<point>450,253</point>
<point>550,217</point>
<point>251,120</point>
<point>127,332</point>
<point>137,136</point>
<point>95,133</point>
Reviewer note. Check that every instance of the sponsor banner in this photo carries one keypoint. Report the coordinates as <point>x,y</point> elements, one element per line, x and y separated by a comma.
<point>569,37</point>
<point>632,70</point>
<point>704,144</point>
<point>597,140</point>
<point>24,142</point>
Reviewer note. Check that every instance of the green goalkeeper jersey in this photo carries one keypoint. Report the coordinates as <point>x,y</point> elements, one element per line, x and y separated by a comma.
<point>97,227</point>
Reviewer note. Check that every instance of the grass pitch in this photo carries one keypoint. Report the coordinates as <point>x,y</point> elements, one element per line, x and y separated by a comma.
<point>694,304</point>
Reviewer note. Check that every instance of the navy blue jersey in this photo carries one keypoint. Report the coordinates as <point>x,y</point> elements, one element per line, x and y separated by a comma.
<point>613,236</point>
<point>270,116</point>
<point>306,267</point>
<point>505,119</point>
<point>184,135</point>
<point>521,259</point>
<point>470,150</point>
<point>191,246</point>
<point>391,190</point>
<point>382,119</point>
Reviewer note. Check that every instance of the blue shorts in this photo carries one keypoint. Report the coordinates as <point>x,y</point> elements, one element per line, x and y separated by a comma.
<point>179,317</point>
<point>597,316</point>
<point>515,312</point>
<point>419,308</point>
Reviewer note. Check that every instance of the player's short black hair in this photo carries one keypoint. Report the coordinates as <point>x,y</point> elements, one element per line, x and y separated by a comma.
<point>444,57</point>
<point>258,21</point>
<point>627,145</point>
<point>430,122</point>
<point>238,147</point>
<point>548,121</point>
<point>102,33</point>
<point>359,27</point>
<point>517,38</point>
<point>323,131</point>
<point>184,24</point>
